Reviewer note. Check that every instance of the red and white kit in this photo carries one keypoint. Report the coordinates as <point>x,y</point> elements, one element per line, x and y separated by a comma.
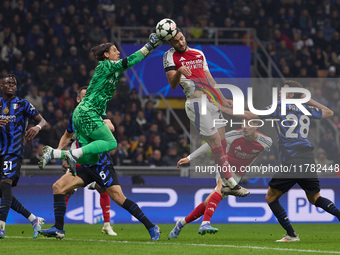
<point>195,60</point>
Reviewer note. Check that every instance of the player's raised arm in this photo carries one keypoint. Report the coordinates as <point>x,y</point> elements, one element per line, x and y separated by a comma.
<point>326,112</point>
<point>202,149</point>
<point>65,140</point>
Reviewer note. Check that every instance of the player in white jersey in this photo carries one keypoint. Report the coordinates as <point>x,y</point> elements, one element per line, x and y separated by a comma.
<point>188,68</point>
<point>243,147</point>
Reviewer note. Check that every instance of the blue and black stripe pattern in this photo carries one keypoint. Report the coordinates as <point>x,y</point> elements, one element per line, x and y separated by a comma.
<point>18,111</point>
<point>293,129</point>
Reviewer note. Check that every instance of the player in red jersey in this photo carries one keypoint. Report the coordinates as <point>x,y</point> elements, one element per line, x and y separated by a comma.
<point>188,67</point>
<point>243,147</point>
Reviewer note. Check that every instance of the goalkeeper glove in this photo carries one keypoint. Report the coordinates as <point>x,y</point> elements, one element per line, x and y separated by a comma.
<point>152,44</point>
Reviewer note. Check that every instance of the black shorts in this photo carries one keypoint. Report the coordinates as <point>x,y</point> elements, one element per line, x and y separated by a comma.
<point>309,185</point>
<point>11,168</point>
<point>104,175</point>
<point>306,179</point>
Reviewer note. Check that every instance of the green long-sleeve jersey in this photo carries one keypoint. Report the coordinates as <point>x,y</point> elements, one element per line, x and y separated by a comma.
<point>104,82</point>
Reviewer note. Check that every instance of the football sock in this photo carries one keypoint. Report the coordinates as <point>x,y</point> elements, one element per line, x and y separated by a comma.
<point>224,144</point>
<point>221,160</point>
<point>77,152</point>
<point>211,206</point>
<point>59,210</point>
<point>31,217</point>
<point>134,210</point>
<point>19,208</point>
<point>195,214</point>
<point>66,201</point>
<point>328,206</point>
<point>58,154</point>
<point>6,200</point>
<point>281,216</point>
<point>105,205</point>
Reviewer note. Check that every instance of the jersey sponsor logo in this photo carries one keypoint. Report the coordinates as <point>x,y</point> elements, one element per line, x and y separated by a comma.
<point>181,59</point>
<point>238,147</point>
<point>11,118</point>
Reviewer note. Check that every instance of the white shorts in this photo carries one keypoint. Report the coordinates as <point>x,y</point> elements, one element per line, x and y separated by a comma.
<point>203,123</point>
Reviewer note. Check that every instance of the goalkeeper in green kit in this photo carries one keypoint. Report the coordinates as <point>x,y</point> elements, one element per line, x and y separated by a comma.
<point>93,136</point>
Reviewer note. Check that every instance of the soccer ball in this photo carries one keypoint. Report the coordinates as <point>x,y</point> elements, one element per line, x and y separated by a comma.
<point>166,29</point>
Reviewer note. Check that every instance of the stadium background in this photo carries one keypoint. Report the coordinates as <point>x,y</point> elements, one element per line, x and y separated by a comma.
<point>46,44</point>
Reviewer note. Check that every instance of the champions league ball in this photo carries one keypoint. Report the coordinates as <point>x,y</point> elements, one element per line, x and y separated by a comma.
<point>166,29</point>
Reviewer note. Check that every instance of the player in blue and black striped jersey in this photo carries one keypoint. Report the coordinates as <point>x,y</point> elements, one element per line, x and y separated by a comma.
<point>103,173</point>
<point>15,114</point>
<point>295,153</point>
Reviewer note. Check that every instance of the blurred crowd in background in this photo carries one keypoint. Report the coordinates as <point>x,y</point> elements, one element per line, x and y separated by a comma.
<point>47,43</point>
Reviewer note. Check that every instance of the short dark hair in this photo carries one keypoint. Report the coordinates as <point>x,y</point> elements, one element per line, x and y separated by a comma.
<point>10,75</point>
<point>294,84</point>
<point>178,30</point>
<point>99,50</point>
<point>81,89</point>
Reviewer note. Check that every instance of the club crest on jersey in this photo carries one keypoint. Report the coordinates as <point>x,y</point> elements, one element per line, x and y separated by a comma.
<point>182,59</point>
<point>15,106</point>
<point>6,110</point>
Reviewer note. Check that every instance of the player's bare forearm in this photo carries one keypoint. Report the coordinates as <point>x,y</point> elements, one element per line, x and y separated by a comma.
<point>64,140</point>
<point>326,112</point>
<point>110,125</point>
<point>174,77</point>
<point>33,131</point>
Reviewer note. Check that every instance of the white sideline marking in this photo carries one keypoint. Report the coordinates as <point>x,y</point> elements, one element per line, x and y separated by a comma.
<point>187,244</point>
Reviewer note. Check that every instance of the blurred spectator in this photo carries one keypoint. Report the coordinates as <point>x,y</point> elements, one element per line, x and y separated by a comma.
<point>123,153</point>
<point>8,53</point>
<point>328,144</point>
<point>138,160</point>
<point>35,99</point>
<point>171,158</point>
<point>156,159</point>
<point>157,144</point>
<point>160,121</point>
<point>141,143</point>
<point>170,136</point>
<point>64,97</point>
<point>33,36</point>
<point>149,111</point>
<point>141,121</point>
<point>6,35</point>
<point>183,149</point>
<point>120,133</point>
<point>131,126</point>
<point>57,131</point>
<point>321,159</point>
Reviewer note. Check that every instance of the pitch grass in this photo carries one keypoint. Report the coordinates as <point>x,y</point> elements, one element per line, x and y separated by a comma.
<point>134,239</point>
